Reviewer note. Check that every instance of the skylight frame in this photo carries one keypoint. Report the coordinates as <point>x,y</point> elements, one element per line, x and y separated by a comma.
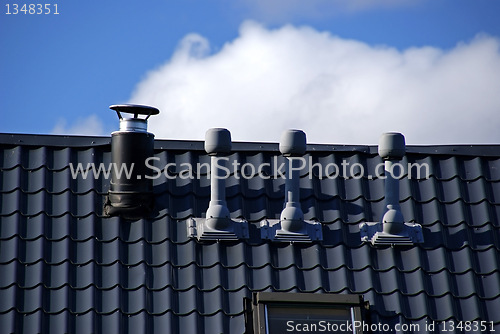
<point>258,322</point>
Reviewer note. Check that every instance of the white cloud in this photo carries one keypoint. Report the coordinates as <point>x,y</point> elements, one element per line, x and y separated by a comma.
<point>337,90</point>
<point>89,126</point>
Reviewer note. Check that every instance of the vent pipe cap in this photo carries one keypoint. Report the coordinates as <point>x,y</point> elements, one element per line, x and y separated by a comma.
<point>134,124</point>
<point>293,143</point>
<point>392,146</point>
<point>217,141</point>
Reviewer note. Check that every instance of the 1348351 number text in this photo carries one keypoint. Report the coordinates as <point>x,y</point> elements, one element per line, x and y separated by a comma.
<point>31,9</point>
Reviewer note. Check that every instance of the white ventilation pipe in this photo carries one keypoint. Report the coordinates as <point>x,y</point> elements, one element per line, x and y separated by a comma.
<point>391,149</point>
<point>292,145</point>
<point>217,144</point>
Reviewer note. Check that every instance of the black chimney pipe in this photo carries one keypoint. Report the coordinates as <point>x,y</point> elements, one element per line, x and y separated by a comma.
<point>131,196</point>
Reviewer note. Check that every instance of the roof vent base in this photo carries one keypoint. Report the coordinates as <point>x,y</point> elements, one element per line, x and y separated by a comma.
<point>373,232</point>
<point>272,229</point>
<point>128,205</point>
<point>202,229</point>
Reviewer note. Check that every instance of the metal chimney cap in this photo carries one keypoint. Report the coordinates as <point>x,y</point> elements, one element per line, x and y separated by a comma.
<point>136,109</point>
<point>293,143</point>
<point>392,146</point>
<point>217,140</point>
<point>134,124</point>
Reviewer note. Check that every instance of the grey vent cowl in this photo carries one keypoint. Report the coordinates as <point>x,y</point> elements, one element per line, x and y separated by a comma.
<point>293,143</point>
<point>392,146</point>
<point>218,141</point>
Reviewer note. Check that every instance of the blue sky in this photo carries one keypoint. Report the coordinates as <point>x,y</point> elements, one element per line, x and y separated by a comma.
<point>59,73</point>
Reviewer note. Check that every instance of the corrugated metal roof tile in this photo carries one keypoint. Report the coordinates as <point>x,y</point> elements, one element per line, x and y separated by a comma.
<point>492,169</point>
<point>261,278</point>
<point>489,285</point>
<point>469,308</point>
<point>491,312</point>
<point>450,191</point>
<point>442,307</point>
<point>487,260</point>
<point>415,307</point>
<point>8,299</point>
<point>471,169</point>
<point>460,261</point>
<point>437,283</point>
<point>31,323</point>
<point>445,168</point>
<point>480,214</point>
<point>435,260</point>
<point>461,284</point>
<point>426,190</point>
<point>338,280</point>
<point>412,282</point>
<point>431,214</point>
<point>409,259</point>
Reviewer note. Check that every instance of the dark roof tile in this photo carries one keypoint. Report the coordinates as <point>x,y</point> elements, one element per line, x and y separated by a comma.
<point>111,322</point>
<point>460,261</point>
<point>108,276</point>
<point>461,284</point>
<point>338,280</point>
<point>412,282</point>
<point>425,190</point>
<point>480,214</point>
<point>414,307</point>
<point>435,260</point>
<point>492,170</point>
<point>441,307</point>
<point>471,169</point>
<point>109,300</point>
<point>437,283</point>
<point>31,323</point>
<point>449,191</point>
<point>386,281</point>
<point>360,281</point>
<point>409,259</point>
<point>491,312</point>
<point>8,298</point>
<point>489,285</point>
<point>468,308</point>
<point>487,260</point>
<point>431,214</point>
<point>445,168</point>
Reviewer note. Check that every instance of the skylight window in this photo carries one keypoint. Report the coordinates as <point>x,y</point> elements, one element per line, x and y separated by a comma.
<point>277,312</point>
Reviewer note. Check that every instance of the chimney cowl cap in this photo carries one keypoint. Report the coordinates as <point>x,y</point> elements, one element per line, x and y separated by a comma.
<point>136,109</point>
<point>293,143</point>
<point>218,140</point>
<point>392,146</point>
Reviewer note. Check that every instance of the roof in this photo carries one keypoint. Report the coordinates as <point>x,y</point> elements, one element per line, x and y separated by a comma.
<point>66,267</point>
